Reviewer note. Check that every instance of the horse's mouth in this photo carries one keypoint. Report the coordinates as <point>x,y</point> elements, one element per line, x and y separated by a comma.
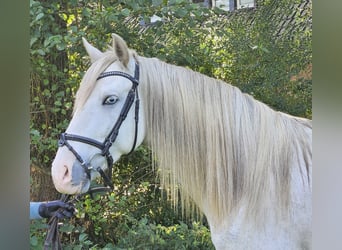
<point>73,189</point>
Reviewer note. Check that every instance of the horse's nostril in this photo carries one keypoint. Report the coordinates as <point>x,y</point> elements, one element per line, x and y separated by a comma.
<point>66,173</point>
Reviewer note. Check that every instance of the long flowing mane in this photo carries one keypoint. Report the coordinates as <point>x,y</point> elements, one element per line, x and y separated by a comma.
<point>221,148</point>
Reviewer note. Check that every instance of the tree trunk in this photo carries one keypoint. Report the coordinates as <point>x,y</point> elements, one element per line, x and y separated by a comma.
<point>41,188</point>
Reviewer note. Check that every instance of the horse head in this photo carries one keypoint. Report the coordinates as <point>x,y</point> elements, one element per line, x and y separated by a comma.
<point>107,120</point>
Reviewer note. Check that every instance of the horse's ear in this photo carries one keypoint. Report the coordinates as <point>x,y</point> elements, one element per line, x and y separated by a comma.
<point>93,52</point>
<point>121,49</point>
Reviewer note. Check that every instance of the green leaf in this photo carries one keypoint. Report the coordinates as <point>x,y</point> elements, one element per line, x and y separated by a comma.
<point>67,228</point>
<point>125,12</point>
<point>181,12</point>
<point>39,16</point>
<point>33,40</point>
<point>58,103</point>
<point>34,240</point>
<point>41,52</point>
<point>60,46</point>
<point>157,3</point>
<point>83,237</point>
<point>171,2</point>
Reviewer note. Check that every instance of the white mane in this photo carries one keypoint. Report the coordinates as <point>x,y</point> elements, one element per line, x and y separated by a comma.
<point>218,146</point>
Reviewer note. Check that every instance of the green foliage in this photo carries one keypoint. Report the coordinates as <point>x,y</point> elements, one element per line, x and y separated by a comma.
<point>51,87</point>
<point>37,234</point>
<point>240,48</point>
<point>136,234</point>
<point>144,235</point>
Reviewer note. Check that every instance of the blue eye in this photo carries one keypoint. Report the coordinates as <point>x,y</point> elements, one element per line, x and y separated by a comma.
<point>110,100</point>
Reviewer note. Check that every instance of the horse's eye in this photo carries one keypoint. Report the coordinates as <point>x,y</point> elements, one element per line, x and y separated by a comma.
<point>110,100</point>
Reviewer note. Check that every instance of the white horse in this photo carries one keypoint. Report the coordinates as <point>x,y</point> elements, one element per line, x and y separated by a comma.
<point>247,167</point>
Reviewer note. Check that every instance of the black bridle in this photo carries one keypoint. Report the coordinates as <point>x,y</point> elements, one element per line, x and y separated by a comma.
<point>110,139</point>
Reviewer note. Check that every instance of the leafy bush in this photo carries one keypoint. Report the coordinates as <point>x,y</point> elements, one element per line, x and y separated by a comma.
<point>107,222</point>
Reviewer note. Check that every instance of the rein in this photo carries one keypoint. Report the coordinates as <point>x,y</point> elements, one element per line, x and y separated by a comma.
<point>52,240</point>
<point>110,139</point>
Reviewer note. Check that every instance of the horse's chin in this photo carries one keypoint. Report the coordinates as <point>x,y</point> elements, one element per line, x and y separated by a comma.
<point>69,188</point>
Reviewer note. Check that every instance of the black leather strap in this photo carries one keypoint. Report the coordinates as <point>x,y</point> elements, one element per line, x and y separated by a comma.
<point>110,139</point>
